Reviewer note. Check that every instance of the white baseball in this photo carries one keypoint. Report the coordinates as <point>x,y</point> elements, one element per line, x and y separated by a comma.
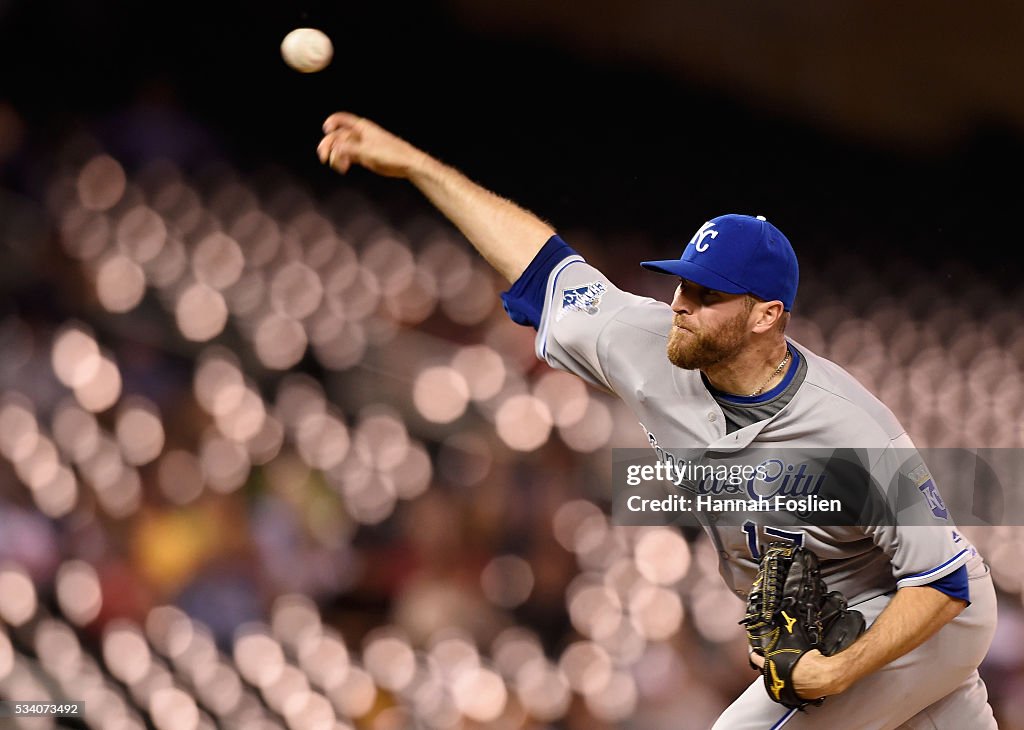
<point>307,49</point>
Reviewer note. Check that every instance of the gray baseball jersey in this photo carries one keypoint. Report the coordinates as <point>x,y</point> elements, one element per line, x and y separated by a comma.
<point>617,341</point>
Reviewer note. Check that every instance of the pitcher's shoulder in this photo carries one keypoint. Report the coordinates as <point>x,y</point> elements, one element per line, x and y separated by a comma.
<point>846,398</point>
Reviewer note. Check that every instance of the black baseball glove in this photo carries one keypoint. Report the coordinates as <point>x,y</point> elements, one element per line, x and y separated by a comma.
<point>790,612</point>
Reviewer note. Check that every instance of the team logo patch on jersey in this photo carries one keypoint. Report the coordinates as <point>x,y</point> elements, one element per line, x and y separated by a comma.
<point>926,484</point>
<point>585,299</point>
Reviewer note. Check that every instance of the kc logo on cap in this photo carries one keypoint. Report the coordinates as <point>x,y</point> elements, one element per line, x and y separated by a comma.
<point>703,232</point>
<point>748,256</point>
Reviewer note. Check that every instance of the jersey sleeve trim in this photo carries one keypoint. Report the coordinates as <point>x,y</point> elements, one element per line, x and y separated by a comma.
<point>930,576</point>
<point>524,301</point>
<point>954,585</point>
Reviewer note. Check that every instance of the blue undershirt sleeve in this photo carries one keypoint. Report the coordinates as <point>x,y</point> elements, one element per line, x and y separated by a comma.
<point>954,585</point>
<point>524,301</point>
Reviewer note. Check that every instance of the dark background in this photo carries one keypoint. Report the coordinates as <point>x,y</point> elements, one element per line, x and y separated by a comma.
<point>878,130</point>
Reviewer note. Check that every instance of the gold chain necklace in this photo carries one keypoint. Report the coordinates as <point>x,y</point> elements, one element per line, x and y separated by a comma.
<point>772,376</point>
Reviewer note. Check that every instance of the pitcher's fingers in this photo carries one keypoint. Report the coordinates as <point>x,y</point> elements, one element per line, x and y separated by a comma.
<point>323,150</point>
<point>338,161</point>
<point>331,142</point>
<point>340,119</point>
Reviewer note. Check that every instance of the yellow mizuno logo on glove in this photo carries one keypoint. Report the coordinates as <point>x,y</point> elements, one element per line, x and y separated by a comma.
<point>789,622</point>
<point>777,684</point>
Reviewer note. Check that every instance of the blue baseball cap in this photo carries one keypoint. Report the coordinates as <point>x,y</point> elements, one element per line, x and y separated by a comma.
<point>738,254</point>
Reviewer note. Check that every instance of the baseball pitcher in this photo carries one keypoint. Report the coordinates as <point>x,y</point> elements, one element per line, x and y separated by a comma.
<point>715,369</point>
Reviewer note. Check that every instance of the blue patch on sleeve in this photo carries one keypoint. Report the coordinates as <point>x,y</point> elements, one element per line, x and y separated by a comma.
<point>954,585</point>
<point>524,301</point>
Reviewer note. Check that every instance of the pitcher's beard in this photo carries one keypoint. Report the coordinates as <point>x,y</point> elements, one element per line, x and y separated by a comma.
<point>700,350</point>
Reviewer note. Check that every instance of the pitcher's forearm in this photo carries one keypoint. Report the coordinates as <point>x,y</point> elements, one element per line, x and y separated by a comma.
<point>505,234</point>
<point>914,615</point>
